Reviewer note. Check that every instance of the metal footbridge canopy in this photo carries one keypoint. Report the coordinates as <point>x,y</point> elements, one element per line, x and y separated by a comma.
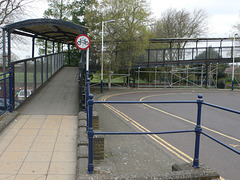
<point>49,29</point>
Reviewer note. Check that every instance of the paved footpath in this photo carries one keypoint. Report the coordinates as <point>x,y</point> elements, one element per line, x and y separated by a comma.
<point>41,142</point>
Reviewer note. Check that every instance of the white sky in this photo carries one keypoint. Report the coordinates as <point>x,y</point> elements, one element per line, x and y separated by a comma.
<point>222,14</point>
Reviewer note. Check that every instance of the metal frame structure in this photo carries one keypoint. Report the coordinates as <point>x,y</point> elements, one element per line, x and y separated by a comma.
<point>179,77</point>
<point>125,80</point>
<point>167,52</point>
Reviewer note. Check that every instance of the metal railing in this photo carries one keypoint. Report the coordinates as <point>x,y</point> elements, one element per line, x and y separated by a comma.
<point>30,74</point>
<point>6,92</point>
<point>187,55</point>
<point>198,129</point>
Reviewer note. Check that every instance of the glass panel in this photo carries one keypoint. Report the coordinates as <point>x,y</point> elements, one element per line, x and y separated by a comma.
<point>38,71</point>
<point>159,55</point>
<point>174,55</point>
<point>44,68</point>
<point>56,58</point>
<point>237,51</point>
<point>181,54</point>
<point>152,56</point>
<point>167,55</point>
<point>201,54</point>
<point>213,53</point>
<point>19,83</point>
<point>49,66</point>
<point>53,63</point>
<point>62,59</point>
<point>188,54</point>
<point>227,52</point>
<point>30,75</point>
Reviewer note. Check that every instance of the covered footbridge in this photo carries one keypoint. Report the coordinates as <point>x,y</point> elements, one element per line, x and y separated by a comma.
<point>43,92</point>
<point>30,74</point>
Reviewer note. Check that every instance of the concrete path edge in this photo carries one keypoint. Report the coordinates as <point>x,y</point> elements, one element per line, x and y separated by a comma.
<point>7,118</point>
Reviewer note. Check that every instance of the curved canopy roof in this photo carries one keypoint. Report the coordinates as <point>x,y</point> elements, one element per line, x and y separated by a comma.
<point>48,29</point>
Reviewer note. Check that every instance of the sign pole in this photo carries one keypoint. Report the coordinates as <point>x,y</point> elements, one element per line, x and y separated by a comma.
<point>87,65</point>
<point>87,61</point>
<point>83,42</point>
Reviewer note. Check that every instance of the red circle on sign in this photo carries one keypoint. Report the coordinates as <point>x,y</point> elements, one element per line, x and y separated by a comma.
<point>83,42</point>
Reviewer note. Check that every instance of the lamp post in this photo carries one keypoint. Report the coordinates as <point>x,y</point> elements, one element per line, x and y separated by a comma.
<point>102,52</point>
<point>234,38</point>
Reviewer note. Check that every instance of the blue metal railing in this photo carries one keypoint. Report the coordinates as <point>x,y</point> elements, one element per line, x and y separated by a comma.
<point>6,96</point>
<point>198,129</point>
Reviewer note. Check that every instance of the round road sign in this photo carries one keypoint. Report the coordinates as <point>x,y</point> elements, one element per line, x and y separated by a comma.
<point>83,42</point>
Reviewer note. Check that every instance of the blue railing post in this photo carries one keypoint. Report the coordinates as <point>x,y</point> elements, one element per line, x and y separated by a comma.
<point>90,135</point>
<point>10,91</point>
<point>198,131</point>
<point>101,86</point>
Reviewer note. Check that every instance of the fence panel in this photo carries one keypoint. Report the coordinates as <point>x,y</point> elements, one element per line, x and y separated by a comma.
<point>30,74</point>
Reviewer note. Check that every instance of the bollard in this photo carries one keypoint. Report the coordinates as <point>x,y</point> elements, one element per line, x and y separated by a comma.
<point>198,131</point>
<point>90,135</point>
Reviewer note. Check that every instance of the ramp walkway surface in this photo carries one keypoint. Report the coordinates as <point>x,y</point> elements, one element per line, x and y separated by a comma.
<point>41,141</point>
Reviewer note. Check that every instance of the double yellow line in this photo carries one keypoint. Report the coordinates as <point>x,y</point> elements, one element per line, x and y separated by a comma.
<point>188,121</point>
<point>154,137</point>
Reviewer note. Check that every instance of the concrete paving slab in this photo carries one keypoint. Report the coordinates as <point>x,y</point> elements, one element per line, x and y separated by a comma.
<point>36,155</point>
<point>41,142</point>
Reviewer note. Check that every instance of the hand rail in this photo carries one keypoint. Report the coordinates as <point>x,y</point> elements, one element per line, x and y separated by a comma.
<point>198,130</point>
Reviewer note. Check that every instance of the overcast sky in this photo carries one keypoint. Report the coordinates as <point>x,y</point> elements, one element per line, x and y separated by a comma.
<point>222,14</point>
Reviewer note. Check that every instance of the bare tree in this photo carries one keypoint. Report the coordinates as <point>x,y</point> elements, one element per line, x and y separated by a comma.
<point>12,11</point>
<point>181,24</point>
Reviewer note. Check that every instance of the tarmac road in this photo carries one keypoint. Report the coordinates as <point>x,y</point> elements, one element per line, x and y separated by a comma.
<point>165,117</point>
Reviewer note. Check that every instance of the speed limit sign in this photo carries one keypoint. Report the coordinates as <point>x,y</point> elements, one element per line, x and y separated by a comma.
<point>83,42</point>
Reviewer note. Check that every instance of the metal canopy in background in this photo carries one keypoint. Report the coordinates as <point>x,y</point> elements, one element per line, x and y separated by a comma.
<point>192,51</point>
<point>48,29</point>
<point>176,40</point>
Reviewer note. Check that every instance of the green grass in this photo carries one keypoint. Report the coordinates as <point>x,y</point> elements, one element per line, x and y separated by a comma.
<point>97,79</point>
<point>19,77</point>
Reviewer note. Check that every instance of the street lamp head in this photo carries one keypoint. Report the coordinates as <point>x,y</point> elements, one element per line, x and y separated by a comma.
<point>109,21</point>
